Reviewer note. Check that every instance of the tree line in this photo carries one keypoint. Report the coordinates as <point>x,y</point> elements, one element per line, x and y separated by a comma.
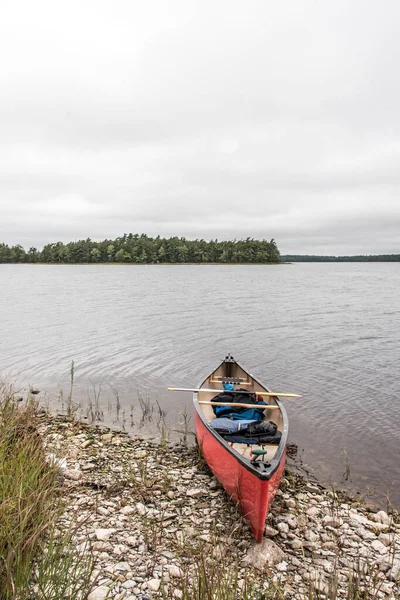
<point>358,258</point>
<point>142,249</point>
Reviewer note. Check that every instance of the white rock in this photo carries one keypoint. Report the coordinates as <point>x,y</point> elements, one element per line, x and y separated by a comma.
<point>356,517</point>
<point>302,521</point>
<point>332,546</point>
<point>290,503</point>
<point>104,556</point>
<point>384,563</point>
<point>270,531</point>
<point>328,566</point>
<point>84,546</point>
<point>175,571</point>
<point>267,553</point>
<point>382,517</point>
<point>73,474</point>
<point>87,444</point>
<point>378,526</point>
<point>132,541</point>
<point>154,585</point>
<point>194,493</point>
<point>103,511</point>
<point>313,489</point>
<point>283,528</point>
<point>122,566</point>
<point>302,497</point>
<point>394,573</point>
<point>311,536</point>
<point>379,547</point>
<point>127,510</point>
<point>332,521</point>
<point>100,593</point>
<point>292,522</point>
<point>102,546</point>
<point>120,550</point>
<point>88,467</point>
<point>318,580</point>
<point>104,534</point>
<point>386,538</point>
<point>365,534</point>
<point>141,509</point>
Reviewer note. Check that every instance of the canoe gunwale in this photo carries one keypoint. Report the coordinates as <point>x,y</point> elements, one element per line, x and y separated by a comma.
<point>275,462</point>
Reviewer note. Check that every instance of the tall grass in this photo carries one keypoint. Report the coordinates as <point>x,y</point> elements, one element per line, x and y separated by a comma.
<point>35,563</point>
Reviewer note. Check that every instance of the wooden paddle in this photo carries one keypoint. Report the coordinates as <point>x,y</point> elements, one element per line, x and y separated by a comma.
<point>234,392</point>
<point>239,404</point>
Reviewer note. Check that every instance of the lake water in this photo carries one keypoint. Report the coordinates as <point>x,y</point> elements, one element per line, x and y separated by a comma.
<point>330,332</point>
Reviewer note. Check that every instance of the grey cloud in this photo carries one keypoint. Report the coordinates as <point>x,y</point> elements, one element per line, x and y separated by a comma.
<point>202,119</point>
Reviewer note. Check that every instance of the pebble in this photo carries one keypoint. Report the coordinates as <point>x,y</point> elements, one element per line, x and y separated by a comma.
<point>154,585</point>
<point>102,547</point>
<point>100,593</point>
<point>379,547</point>
<point>87,443</point>
<point>104,534</point>
<point>194,493</point>
<point>175,571</point>
<point>382,517</point>
<point>141,509</point>
<point>73,474</point>
<point>283,527</point>
<point>127,510</point>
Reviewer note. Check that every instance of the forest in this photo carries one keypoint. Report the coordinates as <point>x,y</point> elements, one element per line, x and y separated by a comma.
<point>142,249</point>
<point>358,258</point>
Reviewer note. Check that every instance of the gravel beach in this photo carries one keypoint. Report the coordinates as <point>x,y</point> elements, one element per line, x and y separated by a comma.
<point>157,523</point>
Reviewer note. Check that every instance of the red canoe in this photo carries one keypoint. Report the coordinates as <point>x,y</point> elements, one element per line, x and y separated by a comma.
<point>250,473</point>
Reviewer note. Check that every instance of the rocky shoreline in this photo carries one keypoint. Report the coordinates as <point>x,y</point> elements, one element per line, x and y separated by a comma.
<point>159,525</point>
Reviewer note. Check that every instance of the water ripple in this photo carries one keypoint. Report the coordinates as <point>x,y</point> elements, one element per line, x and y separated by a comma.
<point>327,331</point>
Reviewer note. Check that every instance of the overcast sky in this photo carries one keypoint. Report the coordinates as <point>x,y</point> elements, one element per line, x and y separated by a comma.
<point>213,119</point>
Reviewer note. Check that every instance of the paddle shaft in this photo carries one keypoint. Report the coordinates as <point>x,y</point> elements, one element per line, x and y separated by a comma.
<point>238,404</point>
<point>234,392</point>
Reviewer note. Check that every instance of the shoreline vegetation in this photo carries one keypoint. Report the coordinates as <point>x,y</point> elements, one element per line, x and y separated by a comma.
<point>359,258</point>
<point>90,513</point>
<point>142,249</point>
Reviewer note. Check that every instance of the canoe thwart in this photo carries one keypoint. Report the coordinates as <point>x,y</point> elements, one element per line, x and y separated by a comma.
<point>256,392</point>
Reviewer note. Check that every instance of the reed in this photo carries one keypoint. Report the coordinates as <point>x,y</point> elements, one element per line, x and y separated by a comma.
<point>211,572</point>
<point>70,404</point>
<point>146,407</point>
<point>35,562</point>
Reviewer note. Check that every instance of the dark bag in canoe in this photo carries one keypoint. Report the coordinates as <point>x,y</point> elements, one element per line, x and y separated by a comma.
<point>267,439</point>
<point>264,432</point>
<point>235,412</point>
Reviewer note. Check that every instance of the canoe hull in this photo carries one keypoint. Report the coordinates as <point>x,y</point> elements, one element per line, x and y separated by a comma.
<point>254,494</point>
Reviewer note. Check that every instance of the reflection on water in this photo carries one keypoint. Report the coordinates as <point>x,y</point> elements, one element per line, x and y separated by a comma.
<point>326,331</point>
